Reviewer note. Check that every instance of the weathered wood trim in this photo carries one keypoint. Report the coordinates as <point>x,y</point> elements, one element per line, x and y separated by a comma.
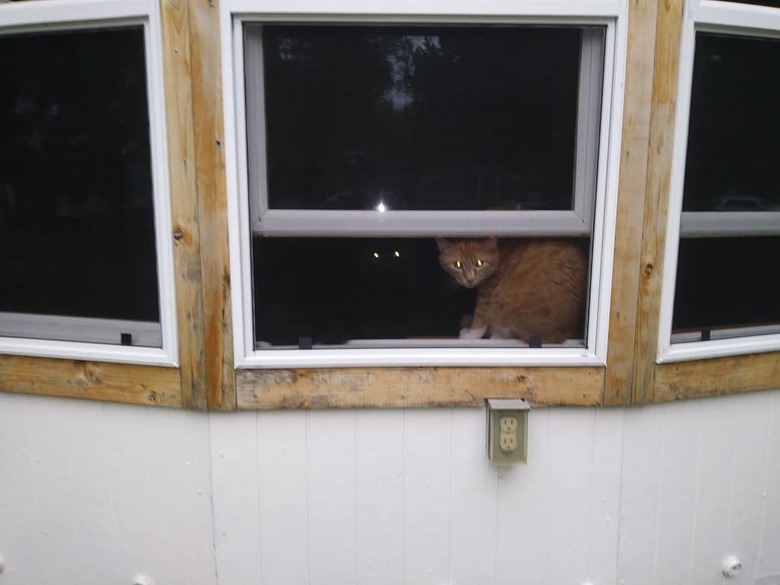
<point>618,381</point>
<point>659,164</point>
<point>416,387</point>
<point>148,385</point>
<point>212,199</point>
<point>184,199</point>
<point>701,378</point>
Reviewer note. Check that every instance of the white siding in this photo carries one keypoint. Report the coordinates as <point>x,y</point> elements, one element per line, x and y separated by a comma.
<point>96,493</point>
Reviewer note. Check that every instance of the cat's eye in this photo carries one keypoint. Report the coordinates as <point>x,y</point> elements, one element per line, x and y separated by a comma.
<point>397,254</point>
<point>458,264</point>
<point>376,255</point>
<point>478,263</point>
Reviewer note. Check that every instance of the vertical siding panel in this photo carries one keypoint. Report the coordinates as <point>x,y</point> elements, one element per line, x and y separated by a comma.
<point>571,456</point>
<point>713,491</point>
<point>284,507</point>
<point>96,526</point>
<point>380,497</point>
<point>166,512</point>
<point>639,497</point>
<point>427,495</point>
<point>332,516</point>
<point>523,493</point>
<point>236,497</point>
<point>677,494</point>
<point>57,538</point>
<point>19,526</point>
<point>769,557</point>
<point>117,490</point>
<point>748,482</point>
<point>605,495</point>
<point>474,501</point>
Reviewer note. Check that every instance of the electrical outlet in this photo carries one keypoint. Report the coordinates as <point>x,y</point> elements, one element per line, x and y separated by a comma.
<point>507,434</point>
<point>507,431</point>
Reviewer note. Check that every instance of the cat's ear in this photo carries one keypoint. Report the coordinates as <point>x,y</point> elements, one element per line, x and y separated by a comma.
<point>491,243</point>
<point>443,244</point>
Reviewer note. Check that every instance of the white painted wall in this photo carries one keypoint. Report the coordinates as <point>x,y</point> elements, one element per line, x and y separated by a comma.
<point>96,493</point>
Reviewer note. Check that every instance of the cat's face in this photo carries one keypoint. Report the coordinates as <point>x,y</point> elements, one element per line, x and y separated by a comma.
<point>469,261</point>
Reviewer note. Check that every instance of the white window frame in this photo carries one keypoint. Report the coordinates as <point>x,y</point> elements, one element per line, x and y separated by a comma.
<point>742,20</point>
<point>242,217</point>
<point>20,337</point>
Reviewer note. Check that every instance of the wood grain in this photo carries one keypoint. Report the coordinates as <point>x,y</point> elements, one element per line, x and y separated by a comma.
<point>406,387</point>
<point>212,204</point>
<point>659,163</point>
<point>184,200</point>
<point>149,385</point>
<point>715,377</point>
<point>631,192</point>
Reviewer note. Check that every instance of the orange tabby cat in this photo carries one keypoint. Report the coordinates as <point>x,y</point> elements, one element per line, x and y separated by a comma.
<point>527,287</point>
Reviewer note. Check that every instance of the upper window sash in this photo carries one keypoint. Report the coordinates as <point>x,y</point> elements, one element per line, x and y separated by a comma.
<point>745,20</point>
<point>100,339</point>
<point>575,222</point>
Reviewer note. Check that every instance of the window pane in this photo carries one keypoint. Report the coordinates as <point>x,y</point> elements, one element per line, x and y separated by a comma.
<point>770,3</point>
<point>76,210</point>
<point>727,282</point>
<point>416,117</point>
<point>734,133</point>
<point>728,287</point>
<point>330,291</point>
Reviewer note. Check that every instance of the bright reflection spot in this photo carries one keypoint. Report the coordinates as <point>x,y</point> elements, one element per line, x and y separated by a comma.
<point>376,255</point>
<point>397,254</point>
<point>381,207</point>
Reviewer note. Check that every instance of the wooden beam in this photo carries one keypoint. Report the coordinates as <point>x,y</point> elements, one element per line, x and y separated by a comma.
<point>416,387</point>
<point>212,199</point>
<point>656,204</point>
<point>697,379</point>
<point>631,192</point>
<point>184,200</point>
<point>148,385</point>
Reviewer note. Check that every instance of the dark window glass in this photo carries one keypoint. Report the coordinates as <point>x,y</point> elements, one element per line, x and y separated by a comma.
<point>727,282</point>
<point>76,209</point>
<point>419,118</point>
<point>733,153</point>
<point>734,132</point>
<point>332,290</point>
<point>769,3</point>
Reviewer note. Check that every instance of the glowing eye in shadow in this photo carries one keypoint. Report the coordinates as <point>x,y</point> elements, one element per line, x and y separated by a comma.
<point>479,263</point>
<point>397,254</point>
<point>376,255</point>
<point>458,264</point>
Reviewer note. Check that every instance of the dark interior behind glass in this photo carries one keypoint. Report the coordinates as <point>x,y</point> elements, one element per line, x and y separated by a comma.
<point>76,210</point>
<point>734,130</point>
<point>416,117</point>
<point>732,165</point>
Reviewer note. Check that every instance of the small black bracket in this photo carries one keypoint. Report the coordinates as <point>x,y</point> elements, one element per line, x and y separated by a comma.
<point>535,341</point>
<point>126,339</point>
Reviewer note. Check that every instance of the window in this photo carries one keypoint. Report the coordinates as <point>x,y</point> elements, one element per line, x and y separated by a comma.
<point>84,210</point>
<point>723,300</point>
<point>362,140</point>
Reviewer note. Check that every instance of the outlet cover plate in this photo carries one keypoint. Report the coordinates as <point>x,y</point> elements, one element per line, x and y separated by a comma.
<point>517,410</point>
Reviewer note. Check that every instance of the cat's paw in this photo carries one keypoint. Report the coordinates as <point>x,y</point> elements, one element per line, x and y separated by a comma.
<point>477,333</point>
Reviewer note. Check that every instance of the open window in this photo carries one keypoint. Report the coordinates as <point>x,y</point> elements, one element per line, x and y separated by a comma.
<point>85,249</point>
<point>723,280</point>
<point>364,141</point>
